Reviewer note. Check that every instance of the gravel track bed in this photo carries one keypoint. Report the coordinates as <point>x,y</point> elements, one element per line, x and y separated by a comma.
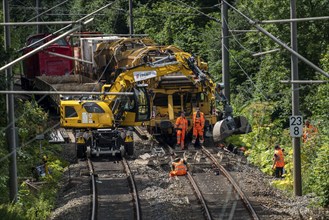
<point>164,198</point>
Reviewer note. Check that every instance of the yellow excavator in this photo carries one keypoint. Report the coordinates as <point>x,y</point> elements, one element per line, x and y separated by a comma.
<point>105,125</point>
<point>170,93</point>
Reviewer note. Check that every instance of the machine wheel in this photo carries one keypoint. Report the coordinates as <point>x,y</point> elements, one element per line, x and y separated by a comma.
<point>88,151</point>
<point>122,151</point>
<point>129,147</point>
<point>81,151</point>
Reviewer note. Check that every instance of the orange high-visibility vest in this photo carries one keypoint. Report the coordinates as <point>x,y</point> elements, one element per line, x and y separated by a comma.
<point>198,120</point>
<point>180,168</point>
<point>280,158</point>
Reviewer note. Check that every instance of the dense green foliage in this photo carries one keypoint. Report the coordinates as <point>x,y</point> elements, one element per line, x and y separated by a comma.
<point>195,26</point>
<point>30,121</point>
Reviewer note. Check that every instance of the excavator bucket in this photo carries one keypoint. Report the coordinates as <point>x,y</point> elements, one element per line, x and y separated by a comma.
<point>230,126</point>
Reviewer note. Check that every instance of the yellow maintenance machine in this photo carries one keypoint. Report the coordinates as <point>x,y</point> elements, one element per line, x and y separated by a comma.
<point>170,93</point>
<point>149,91</point>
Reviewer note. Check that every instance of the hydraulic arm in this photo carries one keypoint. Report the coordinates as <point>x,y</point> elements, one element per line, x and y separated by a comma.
<point>105,124</point>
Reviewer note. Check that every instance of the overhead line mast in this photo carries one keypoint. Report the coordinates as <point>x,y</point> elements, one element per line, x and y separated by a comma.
<point>131,19</point>
<point>276,40</point>
<point>294,76</point>
<point>11,130</point>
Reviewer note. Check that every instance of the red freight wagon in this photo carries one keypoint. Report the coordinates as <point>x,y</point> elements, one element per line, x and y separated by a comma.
<point>43,63</point>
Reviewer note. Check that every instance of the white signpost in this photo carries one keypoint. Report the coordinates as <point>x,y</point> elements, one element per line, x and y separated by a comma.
<point>296,125</point>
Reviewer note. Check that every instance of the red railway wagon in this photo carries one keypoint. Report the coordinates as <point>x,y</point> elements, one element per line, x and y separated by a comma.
<point>43,63</point>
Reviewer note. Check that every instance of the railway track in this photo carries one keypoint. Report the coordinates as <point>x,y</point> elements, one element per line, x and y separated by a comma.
<point>242,196</point>
<point>114,193</point>
<point>141,189</point>
<point>220,198</point>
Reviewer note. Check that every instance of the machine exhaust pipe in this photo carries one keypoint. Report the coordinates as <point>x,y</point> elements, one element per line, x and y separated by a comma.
<point>230,126</point>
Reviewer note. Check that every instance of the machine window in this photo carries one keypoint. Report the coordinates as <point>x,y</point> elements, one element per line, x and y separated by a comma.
<point>160,99</point>
<point>70,112</point>
<point>35,39</point>
<point>61,42</point>
<point>130,104</point>
<point>92,107</point>
<point>143,105</point>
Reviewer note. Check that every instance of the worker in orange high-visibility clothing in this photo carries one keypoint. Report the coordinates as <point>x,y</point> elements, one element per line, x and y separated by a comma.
<point>278,161</point>
<point>309,131</point>
<point>181,127</point>
<point>198,126</point>
<point>179,167</point>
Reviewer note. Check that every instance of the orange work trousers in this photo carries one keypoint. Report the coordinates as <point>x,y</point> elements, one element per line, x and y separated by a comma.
<point>197,131</point>
<point>181,138</point>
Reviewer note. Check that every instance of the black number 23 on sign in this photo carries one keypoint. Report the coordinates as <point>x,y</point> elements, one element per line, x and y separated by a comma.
<point>296,126</point>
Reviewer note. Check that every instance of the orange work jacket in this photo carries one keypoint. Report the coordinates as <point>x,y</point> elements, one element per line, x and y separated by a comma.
<point>309,131</point>
<point>279,162</point>
<point>198,120</point>
<point>180,168</point>
<point>181,123</point>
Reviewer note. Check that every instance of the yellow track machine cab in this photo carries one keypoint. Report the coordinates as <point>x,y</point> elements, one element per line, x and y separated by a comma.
<point>105,128</point>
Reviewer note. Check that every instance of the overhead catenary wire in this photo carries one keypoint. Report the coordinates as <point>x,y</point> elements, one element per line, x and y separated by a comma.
<point>45,93</point>
<point>268,34</point>
<point>226,48</point>
<point>70,25</point>
<point>277,49</point>
<point>232,34</point>
<point>250,79</point>
<point>43,46</point>
<point>237,62</point>
<point>55,39</point>
<point>195,9</point>
<point>40,14</point>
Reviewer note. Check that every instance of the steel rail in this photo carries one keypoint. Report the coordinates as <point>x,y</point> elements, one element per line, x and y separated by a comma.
<point>199,194</point>
<point>134,188</point>
<point>93,182</point>
<point>195,187</point>
<point>236,187</point>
